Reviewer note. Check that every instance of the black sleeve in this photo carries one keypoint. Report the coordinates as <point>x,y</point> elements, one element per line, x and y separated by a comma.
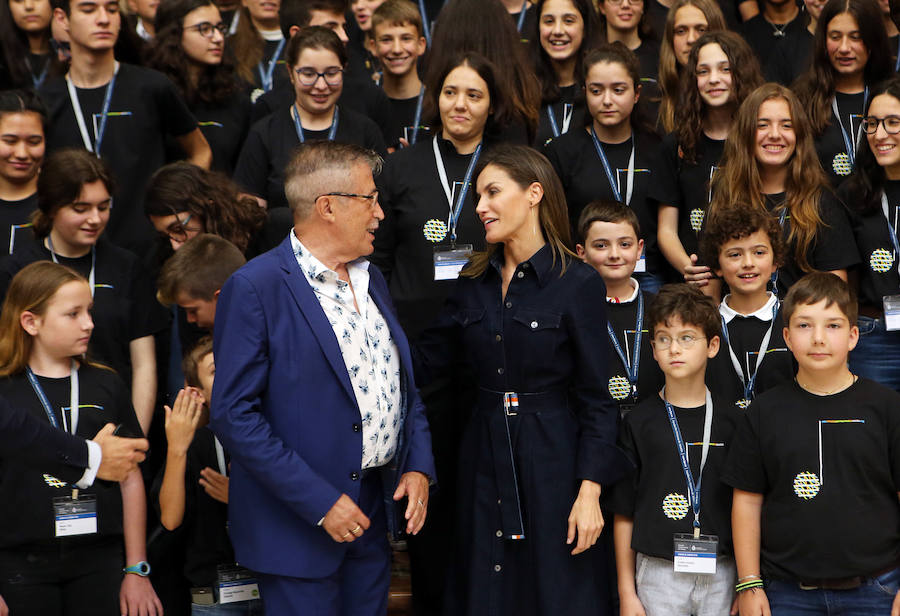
<point>835,247</point>
<point>744,467</point>
<point>374,139</point>
<point>147,315</point>
<point>252,170</point>
<point>125,414</point>
<point>26,439</point>
<point>551,152</point>
<point>664,171</point>
<point>177,120</point>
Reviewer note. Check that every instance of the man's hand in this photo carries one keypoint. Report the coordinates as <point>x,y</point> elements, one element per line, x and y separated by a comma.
<point>345,521</point>
<point>414,486</point>
<point>215,484</point>
<point>120,455</point>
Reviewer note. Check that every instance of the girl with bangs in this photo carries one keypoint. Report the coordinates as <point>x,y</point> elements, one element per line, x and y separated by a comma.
<point>770,162</point>
<point>721,71</point>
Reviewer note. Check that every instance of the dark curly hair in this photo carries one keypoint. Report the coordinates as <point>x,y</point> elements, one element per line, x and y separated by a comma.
<point>745,77</point>
<point>735,223</point>
<point>207,195</point>
<point>215,82</point>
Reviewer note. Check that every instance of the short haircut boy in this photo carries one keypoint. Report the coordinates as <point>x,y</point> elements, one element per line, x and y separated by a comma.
<point>198,269</point>
<point>299,12</point>
<point>397,13</point>
<point>606,211</point>
<point>818,286</point>
<point>736,223</point>
<point>687,303</point>
<point>191,361</point>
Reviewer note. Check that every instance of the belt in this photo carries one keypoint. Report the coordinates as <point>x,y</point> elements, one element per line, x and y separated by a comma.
<point>873,312</point>
<point>846,583</point>
<point>499,406</point>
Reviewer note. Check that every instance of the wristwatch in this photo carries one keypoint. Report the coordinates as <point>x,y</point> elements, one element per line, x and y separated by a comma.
<point>142,569</point>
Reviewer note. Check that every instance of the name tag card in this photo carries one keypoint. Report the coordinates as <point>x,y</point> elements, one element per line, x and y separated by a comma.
<point>236,584</point>
<point>75,516</point>
<point>640,266</point>
<point>892,312</point>
<point>695,555</point>
<point>449,261</point>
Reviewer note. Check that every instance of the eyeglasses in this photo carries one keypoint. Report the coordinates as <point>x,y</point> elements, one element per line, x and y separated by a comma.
<point>206,29</point>
<point>891,124</point>
<point>307,76</point>
<point>685,341</point>
<point>178,230</point>
<point>372,197</point>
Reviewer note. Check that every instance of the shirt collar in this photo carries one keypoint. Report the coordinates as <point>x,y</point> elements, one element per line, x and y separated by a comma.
<point>763,314</point>
<point>142,30</point>
<point>630,298</point>
<point>315,270</point>
<point>541,262</point>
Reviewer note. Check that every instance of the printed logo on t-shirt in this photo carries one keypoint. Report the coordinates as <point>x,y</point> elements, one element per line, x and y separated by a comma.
<point>53,482</point>
<point>110,115</point>
<point>675,506</point>
<point>881,260</point>
<point>841,164</point>
<point>622,179</point>
<point>619,388</point>
<point>435,230</point>
<point>697,215</point>
<point>807,484</point>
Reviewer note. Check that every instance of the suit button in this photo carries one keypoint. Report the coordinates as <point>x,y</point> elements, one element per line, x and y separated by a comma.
<point>500,370</point>
<point>354,476</point>
<point>498,338</point>
<point>508,304</point>
<point>356,427</point>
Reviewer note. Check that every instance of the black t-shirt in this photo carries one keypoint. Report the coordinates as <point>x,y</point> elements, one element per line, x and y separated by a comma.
<point>144,109</point>
<point>225,126</point>
<point>403,115</point>
<point>27,494</point>
<point>878,268</point>
<point>570,96</point>
<point>578,165</point>
<point>529,22</point>
<point>830,144</point>
<point>205,519</point>
<point>746,333</point>
<point>685,185</point>
<point>15,222</point>
<point>792,443</point>
<point>780,50</point>
<point>623,319</point>
<point>833,248</point>
<point>272,141</point>
<point>125,306</point>
<point>411,195</point>
<point>656,14</point>
<point>655,494</point>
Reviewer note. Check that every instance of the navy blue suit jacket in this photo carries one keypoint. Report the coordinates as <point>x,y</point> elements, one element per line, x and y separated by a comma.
<point>283,405</point>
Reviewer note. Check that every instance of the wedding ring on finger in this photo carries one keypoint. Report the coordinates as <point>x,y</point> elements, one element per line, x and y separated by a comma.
<point>345,535</point>
<point>421,502</point>
<point>357,529</point>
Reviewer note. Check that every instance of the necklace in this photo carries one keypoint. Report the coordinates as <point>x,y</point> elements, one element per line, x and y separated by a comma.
<point>778,29</point>
<point>822,392</point>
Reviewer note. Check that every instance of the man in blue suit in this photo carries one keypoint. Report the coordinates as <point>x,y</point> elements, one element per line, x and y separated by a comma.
<point>315,399</point>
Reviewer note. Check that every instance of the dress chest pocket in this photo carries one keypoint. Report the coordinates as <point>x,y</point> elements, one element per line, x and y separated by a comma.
<point>468,316</point>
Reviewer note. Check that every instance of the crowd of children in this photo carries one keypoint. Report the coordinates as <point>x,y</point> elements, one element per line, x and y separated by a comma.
<point>745,233</point>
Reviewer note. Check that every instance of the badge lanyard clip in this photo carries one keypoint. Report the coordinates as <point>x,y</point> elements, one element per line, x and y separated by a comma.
<point>632,370</point>
<point>266,71</point>
<point>693,487</point>
<point>104,112</point>
<point>295,114</point>
<point>455,210</point>
<point>629,181</point>
<point>749,384</point>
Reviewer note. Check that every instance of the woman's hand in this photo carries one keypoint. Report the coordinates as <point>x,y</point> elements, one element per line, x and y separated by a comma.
<point>137,598</point>
<point>698,275</point>
<point>585,517</point>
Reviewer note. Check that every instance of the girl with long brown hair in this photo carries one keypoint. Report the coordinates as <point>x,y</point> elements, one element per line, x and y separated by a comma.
<point>258,43</point>
<point>770,162</point>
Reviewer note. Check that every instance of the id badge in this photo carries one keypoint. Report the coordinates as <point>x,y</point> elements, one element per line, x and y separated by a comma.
<point>449,260</point>
<point>695,555</point>
<point>236,584</point>
<point>891,312</point>
<point>640,265</point>
<point>75,516</point>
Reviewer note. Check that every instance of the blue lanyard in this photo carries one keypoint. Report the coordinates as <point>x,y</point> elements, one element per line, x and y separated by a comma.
<point>38,81</point>
<point>891,230</point>
<point>425,26</point>
<point>750,384</point>
<point>73,395</point>
<point>456,209</point>
<point>693,488</point>
<point>265,73</point>
<point>781,219</point>
<point>609,174</point>
<point>522,16</point>
<point>302,136</point>
<point>636,357</point>
<point>848,144</point>
<point>568,108</point>
<point>418,117</point>
<point>104,112</point>
<point>897,63</point>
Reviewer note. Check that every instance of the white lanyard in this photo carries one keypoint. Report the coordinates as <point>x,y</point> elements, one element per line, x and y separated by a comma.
<point>613,183</point>
<point>220,457</point>
<point>445,183</point>
<point>93,262</point>
<point>891,229</point>
<point>104,113</point>
<point>850,144</point>
<point>749,383</point>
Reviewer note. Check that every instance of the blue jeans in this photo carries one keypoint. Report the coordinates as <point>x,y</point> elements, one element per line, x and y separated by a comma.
<point>650,283</point>
<point>873,598</point>
<point>877,354</point>
<point>254,607</point>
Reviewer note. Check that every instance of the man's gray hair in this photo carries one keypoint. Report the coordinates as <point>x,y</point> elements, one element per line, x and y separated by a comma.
<point>320,167</point>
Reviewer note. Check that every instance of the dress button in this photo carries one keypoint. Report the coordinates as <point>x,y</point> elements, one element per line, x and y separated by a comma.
<point>499,370</point>
<point>497,568</point>
<point>499,533</point>
<point>508,304</point>
<point>534,324</point>
<point>354,476</point>
<point>356,427</point>
<point>498,338</point>
<point>520,275</point>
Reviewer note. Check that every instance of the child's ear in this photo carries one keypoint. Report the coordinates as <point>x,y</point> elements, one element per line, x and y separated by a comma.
<point>640,244</point>
<point>786,334</point>
<point>28,321</point>
<point>854,337</point>
<point>712,348</point>
<point>370,42</point>
<point>579,250</point>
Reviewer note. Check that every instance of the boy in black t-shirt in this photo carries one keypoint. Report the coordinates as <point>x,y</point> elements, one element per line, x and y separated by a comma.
<point>672,523</point>
<point>815,467</point>
<point>397,41</point>
<point>608,233</point>
<point>744,247</point>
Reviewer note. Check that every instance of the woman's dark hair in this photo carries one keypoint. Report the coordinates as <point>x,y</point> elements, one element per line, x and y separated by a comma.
<point>20,101</point>
<point>63,175</point>
<point>14,69</point>
<point>868,178</point>
<point>542,63</point>
<point>745,78</point>
<point>314,37</point>
<point>816,86</point>
<point>215,82</point>
<point>208,196</point>
<point>617,53</point>
<point>501,113</point>
<point>486,29</point>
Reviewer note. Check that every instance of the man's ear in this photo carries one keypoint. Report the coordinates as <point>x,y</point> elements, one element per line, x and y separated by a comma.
<point>61,18</point>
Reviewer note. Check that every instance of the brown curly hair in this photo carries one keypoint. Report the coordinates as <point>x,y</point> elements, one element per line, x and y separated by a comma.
<point>736,222</point>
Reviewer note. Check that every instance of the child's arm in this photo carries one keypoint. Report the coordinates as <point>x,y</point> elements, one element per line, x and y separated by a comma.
<point>136,595</point>
<point>143,379</point>
<point>629,604</point>
<point>746,511</point>
<point>667,237</point>
<point>181,424</point>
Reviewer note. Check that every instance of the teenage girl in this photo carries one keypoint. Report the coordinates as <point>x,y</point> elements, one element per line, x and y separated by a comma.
<point>22,119</point>
<point>25,54</point>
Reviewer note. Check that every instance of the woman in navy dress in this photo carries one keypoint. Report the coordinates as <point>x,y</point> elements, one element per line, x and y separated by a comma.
<point>527,316</point>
